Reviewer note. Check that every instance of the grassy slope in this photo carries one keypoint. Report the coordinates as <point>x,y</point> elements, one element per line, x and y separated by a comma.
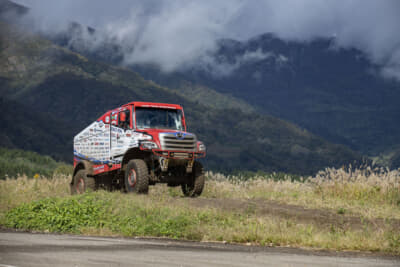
<point>45,205</point>
<point>76,90</point>
<point>390,157</point>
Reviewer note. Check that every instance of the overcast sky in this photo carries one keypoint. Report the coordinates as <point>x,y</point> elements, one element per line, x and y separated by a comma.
<point>175,32</point>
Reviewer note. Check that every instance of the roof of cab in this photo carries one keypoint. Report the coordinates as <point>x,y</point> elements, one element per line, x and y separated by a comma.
<point>154,105</point>
<point>140,104</point>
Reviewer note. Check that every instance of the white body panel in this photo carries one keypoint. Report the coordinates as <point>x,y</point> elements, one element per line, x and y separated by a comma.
<point>93,143</point>
<point>101,144</point>
<point>122,140</point>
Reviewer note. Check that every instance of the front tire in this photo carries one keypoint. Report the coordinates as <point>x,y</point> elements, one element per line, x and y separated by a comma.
<point>137,177</point>
<point>196,180</point>
<point>82,183</point>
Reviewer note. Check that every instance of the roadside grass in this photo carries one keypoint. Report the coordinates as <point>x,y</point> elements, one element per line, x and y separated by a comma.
<point>44,204</point>
<point>105,213</point>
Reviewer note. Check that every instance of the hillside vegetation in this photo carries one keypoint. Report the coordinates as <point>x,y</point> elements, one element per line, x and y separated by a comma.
<point>58,92</point>
<point>355,209</point>
<point>16,162</point>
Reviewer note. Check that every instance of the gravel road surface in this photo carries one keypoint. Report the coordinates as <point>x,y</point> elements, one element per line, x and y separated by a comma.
<point>27,249</point>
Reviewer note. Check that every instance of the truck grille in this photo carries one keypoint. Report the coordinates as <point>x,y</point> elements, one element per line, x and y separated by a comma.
<point>172,141</point>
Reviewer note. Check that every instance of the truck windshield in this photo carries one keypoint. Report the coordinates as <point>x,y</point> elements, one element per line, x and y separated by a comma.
<point>159,118</point>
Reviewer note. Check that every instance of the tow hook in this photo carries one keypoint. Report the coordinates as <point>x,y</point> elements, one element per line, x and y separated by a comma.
<point>164,164</point>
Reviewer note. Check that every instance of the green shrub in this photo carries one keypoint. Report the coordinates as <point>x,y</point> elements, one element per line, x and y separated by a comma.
<point>97,210</point>
<point>60,214</point>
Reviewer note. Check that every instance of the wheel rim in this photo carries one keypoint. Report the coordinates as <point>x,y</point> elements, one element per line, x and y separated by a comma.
<point>80,186</point>
<point>132,178</point>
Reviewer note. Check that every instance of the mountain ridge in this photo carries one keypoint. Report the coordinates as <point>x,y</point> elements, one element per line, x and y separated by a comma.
<point>74,90</point>
<point>335,93</point>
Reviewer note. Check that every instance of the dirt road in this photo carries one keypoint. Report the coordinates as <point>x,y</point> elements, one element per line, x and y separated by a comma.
<point>321,217</point>
<point>26,249</point>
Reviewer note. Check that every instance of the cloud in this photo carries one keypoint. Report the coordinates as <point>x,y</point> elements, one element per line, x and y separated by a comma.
<point>176,33</point>
<point>176,36</point>
<point>222,67</point>
<point>368,25</point>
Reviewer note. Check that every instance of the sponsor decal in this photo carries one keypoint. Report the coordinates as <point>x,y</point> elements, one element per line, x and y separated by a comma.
<point>98,168</point>
<point>115,129</point>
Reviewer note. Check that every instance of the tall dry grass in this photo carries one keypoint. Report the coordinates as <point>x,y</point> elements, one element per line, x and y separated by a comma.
<point>364,191</point>
<point>371,193</point>
<point>14,192</point>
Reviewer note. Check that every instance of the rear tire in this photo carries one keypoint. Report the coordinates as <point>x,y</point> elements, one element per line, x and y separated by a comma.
<point>82,183</point>
<point>196,180</point>
<point>137,177</point>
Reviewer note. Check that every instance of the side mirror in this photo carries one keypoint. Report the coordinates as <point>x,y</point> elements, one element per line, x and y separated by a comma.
<point>122,117</point>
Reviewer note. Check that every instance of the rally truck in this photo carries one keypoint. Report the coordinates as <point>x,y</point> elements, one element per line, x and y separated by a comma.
<point>137,145</point>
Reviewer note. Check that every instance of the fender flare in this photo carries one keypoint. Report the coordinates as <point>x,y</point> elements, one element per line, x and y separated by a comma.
<point>133,153</point>
<point>84,164</point>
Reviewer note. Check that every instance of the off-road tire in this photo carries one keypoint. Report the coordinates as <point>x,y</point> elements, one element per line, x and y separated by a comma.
<point>82,183</point>
<point>195,184</point>
<point>137,177</point>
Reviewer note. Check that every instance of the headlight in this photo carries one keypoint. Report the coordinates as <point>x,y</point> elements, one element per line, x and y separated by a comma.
<point>148,145</point>
<point>201,147</point>
<point>146,137</point>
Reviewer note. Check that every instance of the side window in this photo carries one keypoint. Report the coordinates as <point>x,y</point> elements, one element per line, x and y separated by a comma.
<point>124,119</point>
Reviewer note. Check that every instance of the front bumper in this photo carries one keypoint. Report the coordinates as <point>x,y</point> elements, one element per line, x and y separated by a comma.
<point>179,154</point>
